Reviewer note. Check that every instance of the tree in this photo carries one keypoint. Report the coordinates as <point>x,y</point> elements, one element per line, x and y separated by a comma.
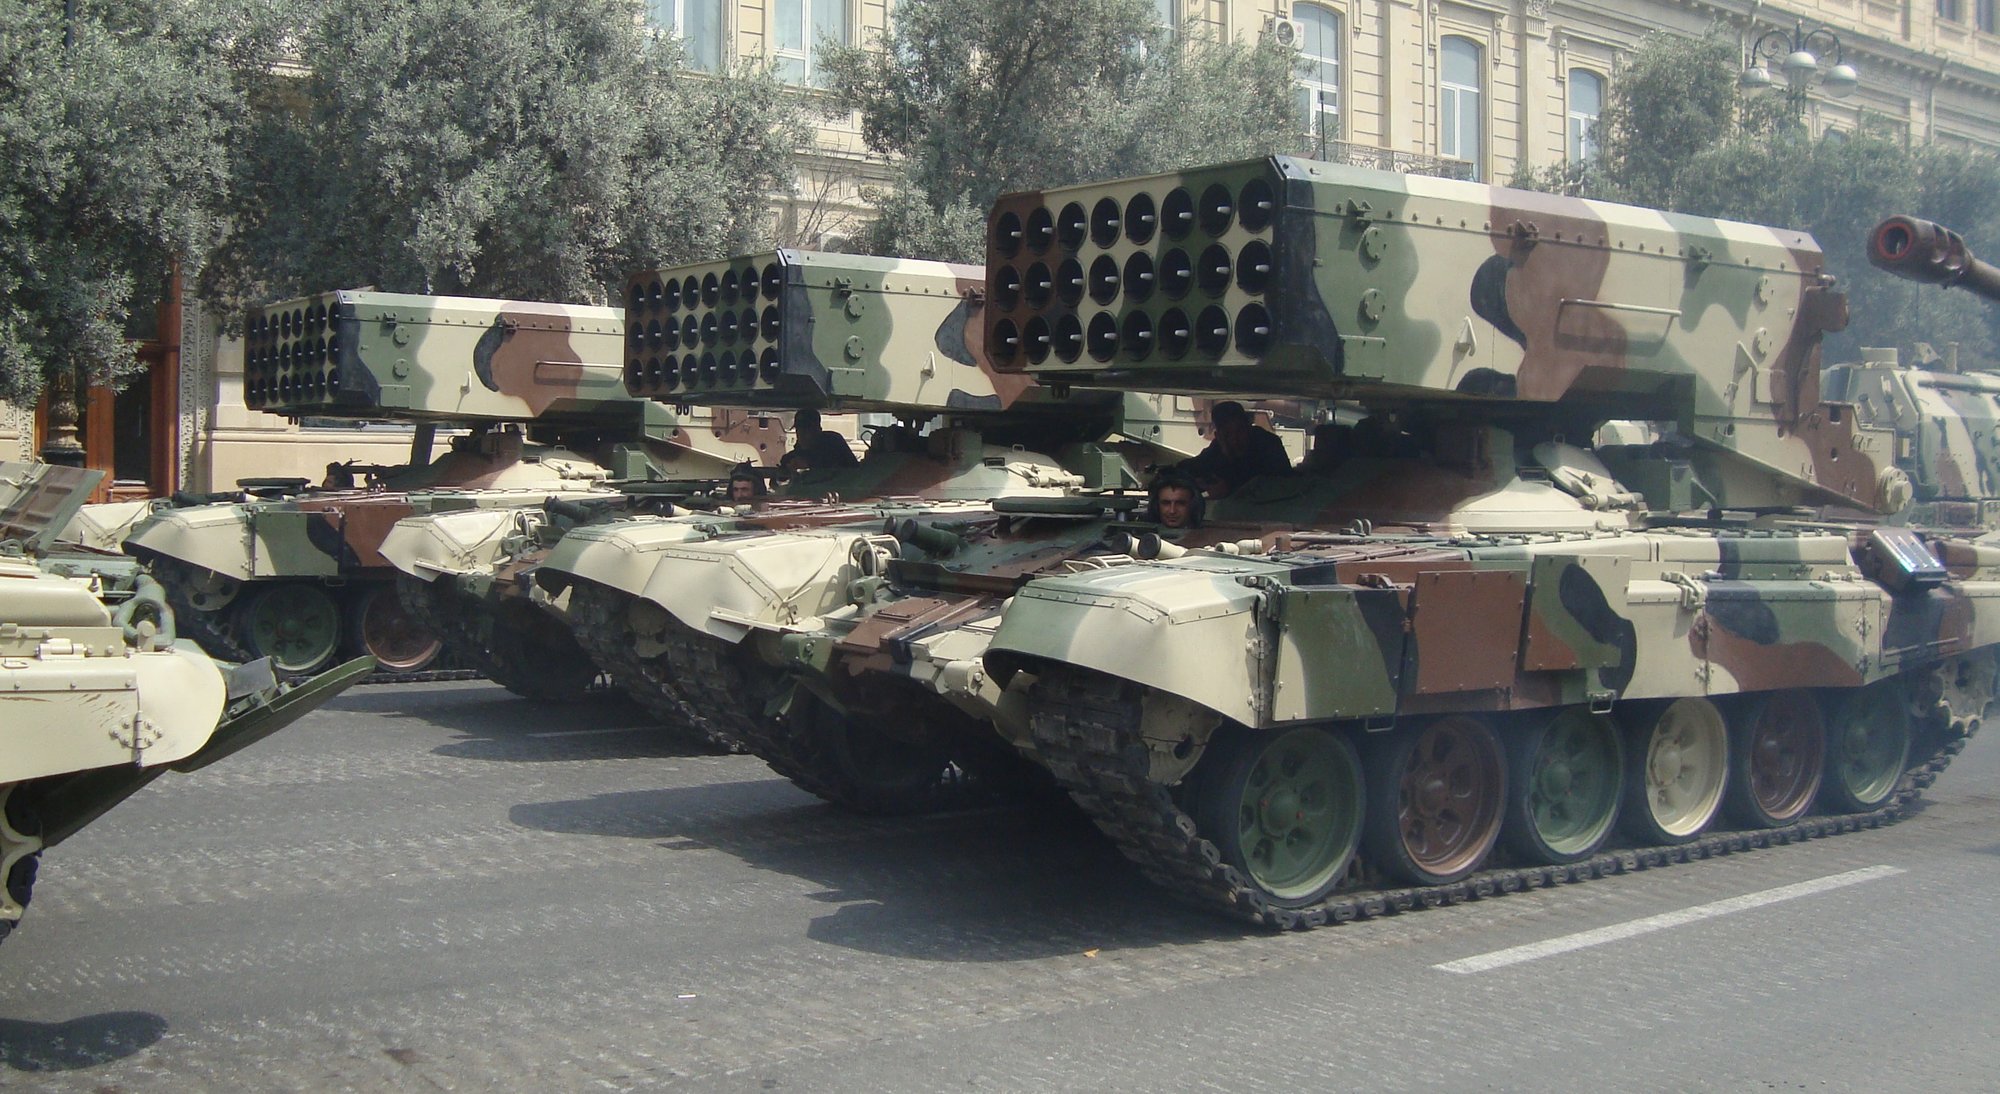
<point>111,127</point>
<point>979,97</point>
<point>1676,99</point>
<point>535,149</point>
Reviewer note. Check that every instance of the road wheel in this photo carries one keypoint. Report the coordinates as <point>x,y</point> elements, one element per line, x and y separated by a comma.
<point>295,624</point>
<point>378,625</point>
<point>1777,754</point>
<point>1283,807</point>
<point>1436,794</point>
<point>1562,800</point>
<point>1867,747</point>
<point>1677,760</point>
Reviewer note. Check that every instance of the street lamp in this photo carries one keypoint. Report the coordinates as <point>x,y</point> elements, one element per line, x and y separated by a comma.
<point>1798,54</point>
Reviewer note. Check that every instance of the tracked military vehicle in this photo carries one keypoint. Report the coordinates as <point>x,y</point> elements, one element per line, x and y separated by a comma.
<point>1467,655</point>
<point>1944,420</point>
<point>295,573</point>
<point>794,329</point>
<point>96,695</point>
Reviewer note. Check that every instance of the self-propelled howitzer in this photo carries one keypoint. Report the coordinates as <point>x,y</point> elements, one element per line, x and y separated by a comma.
<point>1403,694</point>
<point>1946,422</point>
<point>296,574</point>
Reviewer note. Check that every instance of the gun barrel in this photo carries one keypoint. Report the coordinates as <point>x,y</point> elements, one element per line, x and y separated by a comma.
<point>1920,250</point>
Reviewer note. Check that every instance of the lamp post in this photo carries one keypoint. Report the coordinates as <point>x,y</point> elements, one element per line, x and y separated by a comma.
<point>1800,56</point>
<point>60,443</point>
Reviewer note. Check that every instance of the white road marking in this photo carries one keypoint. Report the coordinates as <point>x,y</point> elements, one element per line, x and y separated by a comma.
<point>1500,959</point>
<point>584,732</point>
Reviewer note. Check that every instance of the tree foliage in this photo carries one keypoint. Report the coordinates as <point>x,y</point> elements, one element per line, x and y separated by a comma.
<point>113,145</point>
<point>1678,134</point>
<point>536,149</point>
<point>978,97</point>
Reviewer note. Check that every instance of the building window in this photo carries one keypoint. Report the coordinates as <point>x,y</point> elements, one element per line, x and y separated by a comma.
<point>1459,112</point>
<point>1985,17</point>
<point>802,27</point>
<point>1586,102</point>
<point>1165,15</point>
<point>1319,71</point>
<point>1951,10</point>
<point>697,23</point>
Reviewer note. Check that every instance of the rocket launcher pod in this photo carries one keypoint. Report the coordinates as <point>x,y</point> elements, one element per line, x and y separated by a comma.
<point>799,328</point>
<point>357,354</point>
<point>1289,277</point>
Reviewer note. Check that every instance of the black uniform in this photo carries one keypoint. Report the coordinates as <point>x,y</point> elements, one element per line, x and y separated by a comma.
<point>825,449</point>
<point>1264,454</point>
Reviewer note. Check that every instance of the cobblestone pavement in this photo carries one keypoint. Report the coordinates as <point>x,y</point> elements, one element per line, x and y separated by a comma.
<point>441,887</point>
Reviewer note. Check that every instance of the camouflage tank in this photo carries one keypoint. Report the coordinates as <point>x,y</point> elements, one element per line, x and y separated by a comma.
<point>1462,655</point>
<point>893,707</point>
<point>796,328</point>
<point>1944,420</point>
<point>296,573</point>
<point>472,571</point>
<point>97,696</point>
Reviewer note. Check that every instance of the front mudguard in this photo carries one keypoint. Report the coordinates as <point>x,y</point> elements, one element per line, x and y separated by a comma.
<point>621,555</point>
<point>730,587</point>
<point>215,537</point>
<point>1190,633</point>
<point>468,541</point>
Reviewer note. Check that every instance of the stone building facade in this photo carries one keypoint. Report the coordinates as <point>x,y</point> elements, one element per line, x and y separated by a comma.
<point>1469,88</point>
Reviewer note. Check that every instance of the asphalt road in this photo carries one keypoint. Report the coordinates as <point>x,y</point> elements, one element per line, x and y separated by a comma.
<point>432,887</point>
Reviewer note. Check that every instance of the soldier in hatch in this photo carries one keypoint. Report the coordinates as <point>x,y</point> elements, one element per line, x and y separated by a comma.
<point>815,447</point>
<point>1174,502</point>
<point>1239,453</point>
<point>746,487</point>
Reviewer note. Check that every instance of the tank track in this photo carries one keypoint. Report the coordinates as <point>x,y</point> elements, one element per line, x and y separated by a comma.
<point>596,614</point>
<point>717,684</point>
<point>1086,730</point>
<point>20,886</point>
<point>721,695</point>
<point>425,677</point>
<point>461,626</point>
<point>212,631</point>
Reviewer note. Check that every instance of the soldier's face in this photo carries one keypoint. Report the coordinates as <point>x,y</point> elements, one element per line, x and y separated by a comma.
<point>1175,506</point>
<point>742,490</point>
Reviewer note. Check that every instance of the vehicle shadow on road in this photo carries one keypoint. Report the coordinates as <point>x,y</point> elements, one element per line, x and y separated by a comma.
<point>1001,883</point>
<point>497,725</point>
<point>79,1042</point>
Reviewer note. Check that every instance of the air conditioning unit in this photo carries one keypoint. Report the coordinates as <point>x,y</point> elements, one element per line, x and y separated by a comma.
<point>1283,31</point>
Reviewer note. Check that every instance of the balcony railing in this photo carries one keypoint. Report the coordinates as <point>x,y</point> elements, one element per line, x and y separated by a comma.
<point>1388,159</point>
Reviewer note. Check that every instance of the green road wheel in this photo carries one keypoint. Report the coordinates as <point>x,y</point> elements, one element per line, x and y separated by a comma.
<point>1436,796</point>
<point>1677,760</point>
<point>380,626</point>
<point>295,624</point>
<point>1284,808</point>
<point>1777,755</point>
<point>1562,800</point>
<point>1867,747</point>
